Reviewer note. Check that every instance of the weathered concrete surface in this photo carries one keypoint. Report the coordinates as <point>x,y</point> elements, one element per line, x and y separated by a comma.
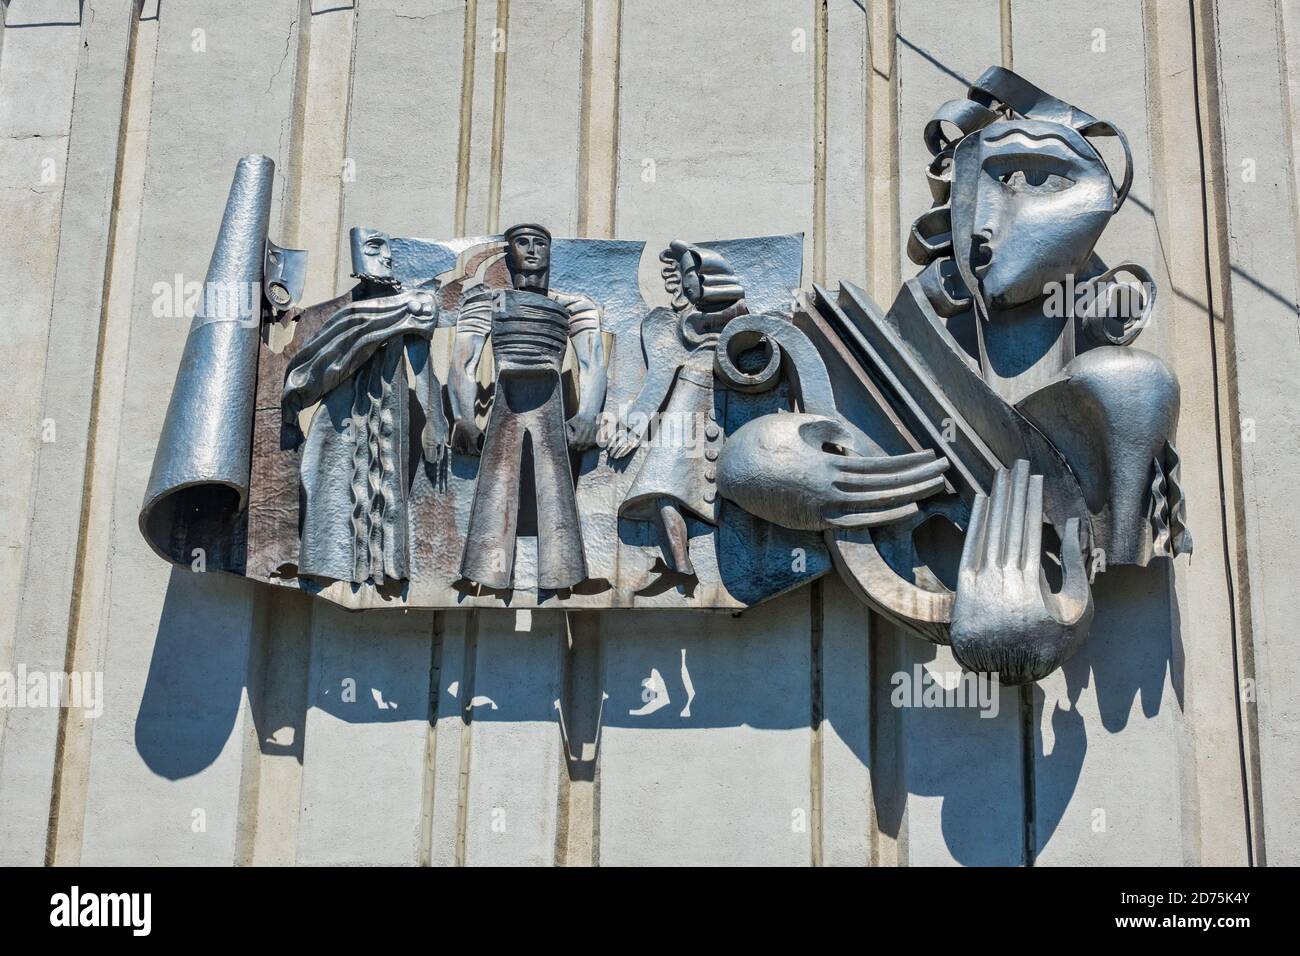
<point>1113,707</point>
<point>1257,46</point>
<point>92,605</point>
<point>364,750</point>
<point>257,728</point>
<point>58,163</point>
<point>1214,794</point>
<point>730,772</point>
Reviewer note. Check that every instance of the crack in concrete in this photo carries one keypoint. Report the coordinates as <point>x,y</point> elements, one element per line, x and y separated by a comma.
<point>288,42</point>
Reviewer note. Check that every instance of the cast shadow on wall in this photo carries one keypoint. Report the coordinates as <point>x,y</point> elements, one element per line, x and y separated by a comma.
<point>1134,650</point>
<point>192,694</point>
<point>695,671</point>
<point>976,765</point>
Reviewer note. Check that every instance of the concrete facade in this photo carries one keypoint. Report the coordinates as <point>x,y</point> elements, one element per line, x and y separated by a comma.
<point>249,726</point>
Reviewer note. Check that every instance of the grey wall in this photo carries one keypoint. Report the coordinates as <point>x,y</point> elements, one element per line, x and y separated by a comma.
<point>486,737</point>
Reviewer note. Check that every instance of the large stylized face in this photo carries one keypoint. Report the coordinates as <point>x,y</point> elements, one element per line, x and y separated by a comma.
<point>1029,201</point>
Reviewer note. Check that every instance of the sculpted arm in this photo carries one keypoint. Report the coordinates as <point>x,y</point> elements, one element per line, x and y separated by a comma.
<point>664,356</point>
<point>472,328</point>
<point>589,346</point>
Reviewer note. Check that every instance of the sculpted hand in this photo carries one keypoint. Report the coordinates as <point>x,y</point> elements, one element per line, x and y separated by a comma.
<point>624,440</point>
<point>465,435</point>
<point>788,469</point>
<point>582,431</point>
<point>1005,617</point>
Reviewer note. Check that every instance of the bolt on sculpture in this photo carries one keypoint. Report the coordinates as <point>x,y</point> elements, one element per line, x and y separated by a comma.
<point>697,440</point>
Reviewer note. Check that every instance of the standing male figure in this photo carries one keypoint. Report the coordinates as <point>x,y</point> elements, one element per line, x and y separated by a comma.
<point>530,327</point>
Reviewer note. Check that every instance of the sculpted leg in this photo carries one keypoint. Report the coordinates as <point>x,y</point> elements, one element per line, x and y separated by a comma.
<point>676,540</point>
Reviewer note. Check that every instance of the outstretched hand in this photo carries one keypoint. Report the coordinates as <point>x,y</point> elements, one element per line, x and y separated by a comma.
<point>866,491</point>
<point>623,441</point>
<point>854,490</point>
<point>809,472</point>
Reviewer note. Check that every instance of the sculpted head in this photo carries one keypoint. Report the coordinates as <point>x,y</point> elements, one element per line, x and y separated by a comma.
<point>1021,195</point>
<point>706,293</point>
<point>1029,201</point>
<point>528,256</point>
<point>372,256</point>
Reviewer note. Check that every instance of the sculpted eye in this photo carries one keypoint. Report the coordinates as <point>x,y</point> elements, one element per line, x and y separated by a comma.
<point>1035,181</point>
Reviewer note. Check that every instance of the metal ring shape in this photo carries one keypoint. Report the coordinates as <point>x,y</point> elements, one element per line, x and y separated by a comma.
<point>737,337</point>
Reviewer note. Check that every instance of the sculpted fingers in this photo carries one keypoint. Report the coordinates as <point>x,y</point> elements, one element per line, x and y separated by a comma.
<point>888,497</point>
<point>1072,605</point>
<point>1074,578</point>
<point>972,550</point>
<point>582,432</point>
<point>848,477</point>
<point>999,503</point>
<point>1013,544</point>
<point>464,438</point>
<point>1031,552</point>
<point>623,442</point>
<point>886,464</point>
<point>868,519</point>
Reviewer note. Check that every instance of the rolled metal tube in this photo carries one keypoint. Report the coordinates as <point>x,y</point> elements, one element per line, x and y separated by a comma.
<point>197,496</point>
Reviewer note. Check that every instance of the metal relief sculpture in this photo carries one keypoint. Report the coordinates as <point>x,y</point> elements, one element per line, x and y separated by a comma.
<point>527,420</point>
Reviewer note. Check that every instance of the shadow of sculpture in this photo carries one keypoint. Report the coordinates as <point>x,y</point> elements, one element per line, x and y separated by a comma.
<point>1131,659</point>
<point>729,672</point>
<point>193,691</point>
